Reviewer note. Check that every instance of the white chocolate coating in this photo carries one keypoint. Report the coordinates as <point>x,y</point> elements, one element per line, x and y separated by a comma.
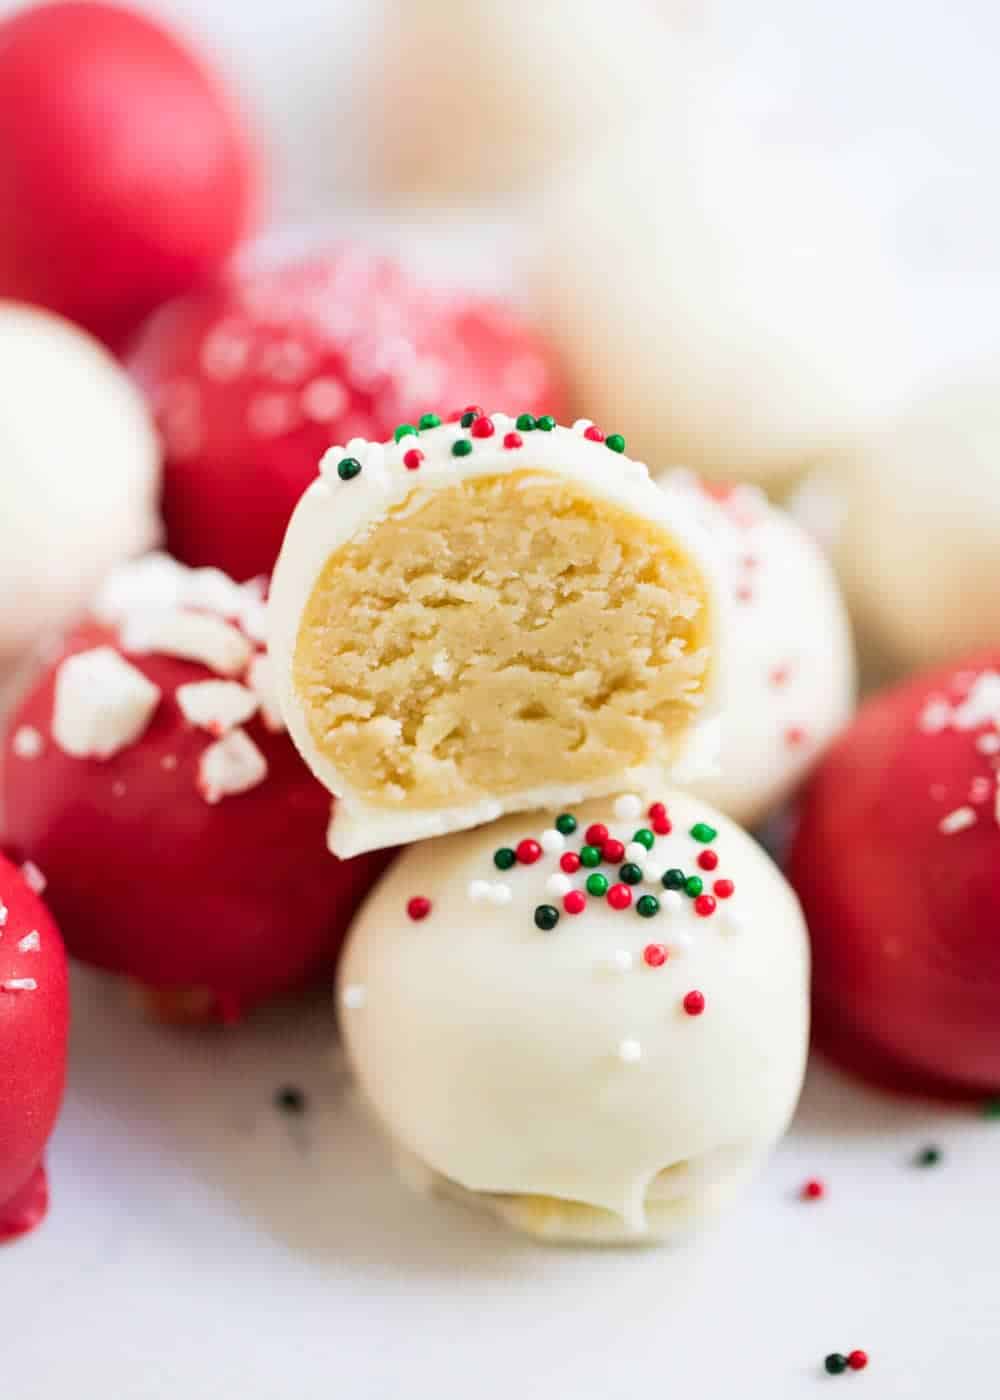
<point>516,1062</point>
<point>917,545</point>
<point>790,669</point>
<point>79,473</point>
<point>332,512</point>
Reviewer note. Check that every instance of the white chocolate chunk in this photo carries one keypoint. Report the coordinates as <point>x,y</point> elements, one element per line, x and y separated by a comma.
<point>231,765</point>
<point>217,706</point>
<point>260,679</point>
<point>102,703</point>
<point>191,636</point>
<point>30,943</point>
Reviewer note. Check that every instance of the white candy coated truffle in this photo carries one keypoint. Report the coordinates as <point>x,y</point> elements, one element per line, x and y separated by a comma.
<point>79,470</point>
<point>791,672</point>
<point>537,1069</point>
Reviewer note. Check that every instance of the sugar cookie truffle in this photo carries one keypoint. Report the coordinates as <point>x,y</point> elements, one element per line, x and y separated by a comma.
<point>790,665</point>
<point>896,862</point>
<point>149,775</point>
<point>591,1022</point>
<point>489,615</point>
<point>34,1026</point>
<point>79,473</point>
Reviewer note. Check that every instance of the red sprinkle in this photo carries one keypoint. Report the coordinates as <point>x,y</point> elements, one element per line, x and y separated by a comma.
<point>593,434</point>
<point>724,888</point>
<point>570,862</point>
<point>795,737</point>
<point>857,1360</point>
<point>528,851</point>
<point>654,955</point>
<point>619,896</point>
<point>656,810</point>
<point>482,428</point>
<point>613,851</point>
<point>575,902</point>
<point>418,908</point>
<point>513,440</point>
<point>663,826</point>
<point>412,459</point>
<point>694,1003</point>
<point>779,676</point>
<point>704,905</point>
<point>744,593</point>
<point>708,860</point>
<point>813,1191</point>
<point>597,834</point>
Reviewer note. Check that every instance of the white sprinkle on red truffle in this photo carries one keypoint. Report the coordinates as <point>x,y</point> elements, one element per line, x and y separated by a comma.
<point>27,742</point>
<point>33,877</point>
<point>230,766</point>
<point>958,820</point>
<point>30,943</point>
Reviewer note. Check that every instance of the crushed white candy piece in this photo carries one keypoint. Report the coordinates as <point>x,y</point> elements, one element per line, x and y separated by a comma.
<point>261,680</point>
<point>217,706</point>
<point>552,841</point>
<point>636,853</point>
<point>191,636</point>
<point>253,619</point>
<point>500,893</point>
<point>957,820</point>
<point>27,742</point>
<point>628,808</point>
<point>630,1051</point>
<point>231,765</point>
<point>988,743</point>
<point>102,703</point>
<point>558,884</point>
<point>935,716</point>
<point>354,996</point>
<point>33,877</point>
<point>30,943</point>
<point>19,984</point>
<point>479,890</point>
<point>4,912</point>
<point>981,705</point>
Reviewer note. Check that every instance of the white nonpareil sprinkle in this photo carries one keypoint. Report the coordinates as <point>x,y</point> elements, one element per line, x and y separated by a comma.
<point>630,1052</point>
<point>652,874</point>
<point>191,636</point>
<point>261,680</point>
<point>558,884</point>
<point>19,984</point>
<point>988,743</point>
<point>628,808</point>
<point>500,894</point>
<point>217,706</point>
<point>671,901</point>
<point>552,841</point>
<point>102,704</point>
<point>27,742</point>
<point>957,820</point>
<point>479,890</point>
<point>353,996</point>
<point>231,765</point>
<point>30,943</point>
<point>636,852</point>
<point>33,877</point>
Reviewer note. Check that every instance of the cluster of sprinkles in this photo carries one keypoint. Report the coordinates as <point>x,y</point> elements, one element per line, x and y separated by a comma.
<point>973,709</point>
<point>480,427</point>
<point>836,1363</point>
<point>31,942</point>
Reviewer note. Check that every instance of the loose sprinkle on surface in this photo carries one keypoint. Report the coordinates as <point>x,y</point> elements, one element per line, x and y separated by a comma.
<point>418,907</point>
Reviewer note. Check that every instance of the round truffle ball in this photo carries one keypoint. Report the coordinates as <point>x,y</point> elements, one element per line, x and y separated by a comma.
<point>566,1039</point>
<point>789,671</point>
<point>34,1025</point>
<point>919,518</point>
<point>253,380</point>
<point>183,839</point>
<point>127,172</point>
<point>79,473</point>
<point>897,865</point>
<point>721,298</point>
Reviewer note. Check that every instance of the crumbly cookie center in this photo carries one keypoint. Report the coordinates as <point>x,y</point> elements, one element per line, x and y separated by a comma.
<point>502,634</point>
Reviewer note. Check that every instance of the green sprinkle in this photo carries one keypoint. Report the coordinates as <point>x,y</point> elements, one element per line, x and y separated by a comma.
<point>615,441</point>
<point>429,420</point>
<point>694,885</point>
<point>546,423</point>
<point>590,856</point>
<point>701,831</point>
<point>546,917</point>
<point>404,430</point>
<point>644,837</point>
<point>525,422</point>
<point>835,1364</point>
<point>467,419</point>
<point>504,858</point>
<point>647,906</point>
<point>631,874</point>
<point>462,448</point>
<point>597,883</point>
<point>991,1108</point>
<point>928,1157</point>
<point>348,468</point>
<point>566,823</point>
<point>674,879</point>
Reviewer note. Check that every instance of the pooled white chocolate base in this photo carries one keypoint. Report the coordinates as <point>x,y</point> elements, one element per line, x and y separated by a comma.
<point>529,623</point>
<point>556,1077</point>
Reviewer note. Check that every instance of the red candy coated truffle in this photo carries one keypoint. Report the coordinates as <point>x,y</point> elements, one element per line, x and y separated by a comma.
<point>252,380</point>
<point>897,865</point>
<point>126,170</point>
<point>34,1024</point>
